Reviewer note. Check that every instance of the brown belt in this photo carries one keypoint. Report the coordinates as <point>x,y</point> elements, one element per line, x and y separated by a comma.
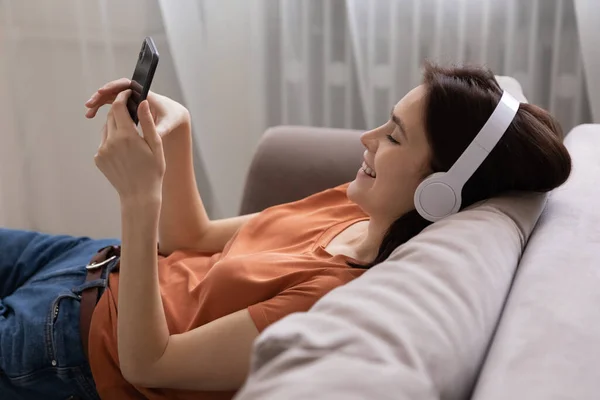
<point>90,296</point>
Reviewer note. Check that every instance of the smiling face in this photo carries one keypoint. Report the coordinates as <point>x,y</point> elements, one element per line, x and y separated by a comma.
<point>396,160</point>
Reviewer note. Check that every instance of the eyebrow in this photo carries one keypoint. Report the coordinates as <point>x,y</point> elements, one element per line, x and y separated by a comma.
<point>400,124</point>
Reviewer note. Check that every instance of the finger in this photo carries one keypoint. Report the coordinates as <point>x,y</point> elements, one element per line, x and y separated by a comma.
<point>92,99</point>
<point>100,99</point>
<point>119,109</point>
<point>115,86</point>
<point>111,89</point>
<point>93,108</point>
<point>148,128</point>
<point>91,112</point>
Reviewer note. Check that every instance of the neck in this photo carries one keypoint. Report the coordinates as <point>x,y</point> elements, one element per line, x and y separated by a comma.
<point>366,245</point>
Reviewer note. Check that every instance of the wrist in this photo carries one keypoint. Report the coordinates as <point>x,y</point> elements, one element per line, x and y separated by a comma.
<point>141,204</point>
<point>177,142</point>
<point>183,128</point>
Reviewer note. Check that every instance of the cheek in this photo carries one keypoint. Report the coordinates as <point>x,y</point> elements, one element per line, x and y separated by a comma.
<point>398,184</point>
<point>399,174</point>
<point>407,169</point>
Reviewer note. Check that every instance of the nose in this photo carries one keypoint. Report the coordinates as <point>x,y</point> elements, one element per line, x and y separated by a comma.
<point>368,139</point>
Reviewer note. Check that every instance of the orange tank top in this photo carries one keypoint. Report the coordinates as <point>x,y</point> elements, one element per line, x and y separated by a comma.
<point>276,264</point>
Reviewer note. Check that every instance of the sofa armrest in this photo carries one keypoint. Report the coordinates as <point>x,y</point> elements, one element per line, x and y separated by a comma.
<point>292,162</point>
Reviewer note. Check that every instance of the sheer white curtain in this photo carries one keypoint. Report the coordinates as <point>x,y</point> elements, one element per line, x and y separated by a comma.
<point>320,53</point>
<point>217,54</point>
<point>343,63</point>
<point>535,41</point>
<point>311,65</point>
<point>53,55</point>
<point>588,22</point>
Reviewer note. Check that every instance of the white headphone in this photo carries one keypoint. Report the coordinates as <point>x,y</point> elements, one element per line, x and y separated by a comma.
<point>439,195</point>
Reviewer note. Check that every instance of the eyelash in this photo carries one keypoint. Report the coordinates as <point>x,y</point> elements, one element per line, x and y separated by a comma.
<point>391,139</point>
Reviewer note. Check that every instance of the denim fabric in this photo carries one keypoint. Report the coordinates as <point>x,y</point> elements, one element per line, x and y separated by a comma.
<point>41,278</point>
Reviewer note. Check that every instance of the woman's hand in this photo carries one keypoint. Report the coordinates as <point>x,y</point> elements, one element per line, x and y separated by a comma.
<point>167,114</point>
<point>134,165</point>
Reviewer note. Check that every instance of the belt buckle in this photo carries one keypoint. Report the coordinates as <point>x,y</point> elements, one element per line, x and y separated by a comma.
<point>92,266</point>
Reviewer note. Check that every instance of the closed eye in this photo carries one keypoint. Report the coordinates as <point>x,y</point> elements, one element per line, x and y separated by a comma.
<point>391,139</point>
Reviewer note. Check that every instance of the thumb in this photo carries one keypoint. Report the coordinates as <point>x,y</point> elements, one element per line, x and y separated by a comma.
<point>148,128</point>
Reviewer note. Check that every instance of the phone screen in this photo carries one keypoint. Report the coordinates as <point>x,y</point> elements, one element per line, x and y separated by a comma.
<point>142,76</point>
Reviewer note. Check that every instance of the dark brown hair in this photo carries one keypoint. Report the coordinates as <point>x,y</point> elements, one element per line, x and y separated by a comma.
<point>529,157</point>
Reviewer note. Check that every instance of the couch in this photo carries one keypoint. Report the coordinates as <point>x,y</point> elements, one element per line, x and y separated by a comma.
<point>516,316</point>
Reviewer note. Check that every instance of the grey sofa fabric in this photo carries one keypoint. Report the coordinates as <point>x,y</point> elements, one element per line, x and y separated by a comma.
<point>547,345</point>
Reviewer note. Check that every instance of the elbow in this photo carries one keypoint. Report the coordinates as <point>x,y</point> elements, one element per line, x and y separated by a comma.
<point>138,371</point>
<point>140,377</point>
<point>142,370</point>
<point>132,374</point>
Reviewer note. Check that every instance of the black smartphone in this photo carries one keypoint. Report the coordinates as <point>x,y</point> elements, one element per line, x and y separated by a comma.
<point>142,76</point>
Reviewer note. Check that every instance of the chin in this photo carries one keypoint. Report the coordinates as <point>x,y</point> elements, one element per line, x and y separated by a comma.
<point>356,194</point>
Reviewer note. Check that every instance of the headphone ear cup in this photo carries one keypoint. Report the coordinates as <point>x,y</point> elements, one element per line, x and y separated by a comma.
<point>439,195</point>
<point>435,198</point>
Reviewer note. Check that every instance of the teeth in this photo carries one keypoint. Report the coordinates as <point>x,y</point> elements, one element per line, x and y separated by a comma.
<point>368,170</point>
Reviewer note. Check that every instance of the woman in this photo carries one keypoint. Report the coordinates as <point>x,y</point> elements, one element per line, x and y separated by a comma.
<point>181,324</point>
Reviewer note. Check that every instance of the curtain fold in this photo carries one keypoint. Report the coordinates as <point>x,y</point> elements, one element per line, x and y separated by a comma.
<point>588,22</point>
<point>344,63</point>
<point>535,41</point>
<point>217,57</point>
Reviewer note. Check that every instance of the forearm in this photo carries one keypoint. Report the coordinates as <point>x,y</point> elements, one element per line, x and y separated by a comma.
<point>183,218</point>
<point>142,328</point>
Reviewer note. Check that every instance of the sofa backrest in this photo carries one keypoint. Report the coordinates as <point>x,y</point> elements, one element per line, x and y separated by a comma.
<point>293,162</point>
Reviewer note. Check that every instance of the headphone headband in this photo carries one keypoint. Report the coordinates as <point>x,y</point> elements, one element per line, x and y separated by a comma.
<point>439,195</point>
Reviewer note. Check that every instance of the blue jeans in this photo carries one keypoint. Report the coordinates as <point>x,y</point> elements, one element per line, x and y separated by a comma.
<point>41,278</point>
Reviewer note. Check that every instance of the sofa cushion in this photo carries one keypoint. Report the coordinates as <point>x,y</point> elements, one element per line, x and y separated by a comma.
<point>548,342</point>
<point>414,326</point>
